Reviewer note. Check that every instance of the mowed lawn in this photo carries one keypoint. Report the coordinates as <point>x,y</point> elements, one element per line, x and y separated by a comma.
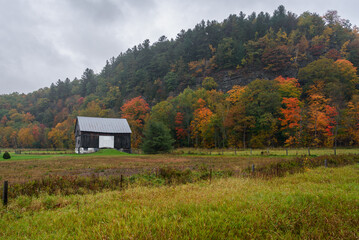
<point>322,203</point>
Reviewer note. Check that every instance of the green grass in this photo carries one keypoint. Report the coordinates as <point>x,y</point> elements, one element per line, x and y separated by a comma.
<point>319,204</point>
<point>109,152</point>
<point>42,155</point>
<point>19,157</point>
<point>186,152</point>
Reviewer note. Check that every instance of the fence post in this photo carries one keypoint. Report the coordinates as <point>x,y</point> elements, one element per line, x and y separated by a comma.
<point>5,194</point>
<point>121,182</point>
<point>253,167</point>
<point>325,163</point>
<point>251,151</point>
<point>286,151</point>
<point>277,169</point>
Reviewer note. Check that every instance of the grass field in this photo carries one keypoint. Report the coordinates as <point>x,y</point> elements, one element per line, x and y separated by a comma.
<point>322,203</point>
<point>105,165</point>
<point>22,167</point>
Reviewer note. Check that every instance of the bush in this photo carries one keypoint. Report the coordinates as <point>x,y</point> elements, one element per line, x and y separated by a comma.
<point>6,155</point>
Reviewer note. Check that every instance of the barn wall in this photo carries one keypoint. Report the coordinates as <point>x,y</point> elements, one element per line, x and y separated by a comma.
<point>89,140</point>
<point>77,136</point>
<point>78,141</point>
<point>123,141</point>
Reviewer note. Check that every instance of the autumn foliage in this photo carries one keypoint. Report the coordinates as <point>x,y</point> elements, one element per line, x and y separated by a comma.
<point>136,111</point>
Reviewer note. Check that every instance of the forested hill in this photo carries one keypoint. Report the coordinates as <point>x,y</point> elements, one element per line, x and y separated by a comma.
<point>213,55</point>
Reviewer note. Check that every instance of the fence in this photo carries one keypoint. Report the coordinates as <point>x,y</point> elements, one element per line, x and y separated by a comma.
<point>267,151</point>
<point>37,151</point>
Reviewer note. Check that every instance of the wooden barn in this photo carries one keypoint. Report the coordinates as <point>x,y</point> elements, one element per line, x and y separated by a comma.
<point>92,134</point>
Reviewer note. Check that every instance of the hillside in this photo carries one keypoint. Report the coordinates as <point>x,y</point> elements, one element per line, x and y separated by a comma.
<point>320,52</point>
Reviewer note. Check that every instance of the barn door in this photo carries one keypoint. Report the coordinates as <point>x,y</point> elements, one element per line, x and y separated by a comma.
<point>106,142</point>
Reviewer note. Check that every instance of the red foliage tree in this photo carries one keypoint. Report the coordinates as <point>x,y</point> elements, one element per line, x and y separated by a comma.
<point>181,132</point>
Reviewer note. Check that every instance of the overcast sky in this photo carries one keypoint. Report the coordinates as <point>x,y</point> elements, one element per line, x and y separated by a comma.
<point>46,40</point>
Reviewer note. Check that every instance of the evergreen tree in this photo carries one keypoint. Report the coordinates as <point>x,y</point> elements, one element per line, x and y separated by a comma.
<point>88,82</point>
<point>6,155</point>
<point>157,138</point>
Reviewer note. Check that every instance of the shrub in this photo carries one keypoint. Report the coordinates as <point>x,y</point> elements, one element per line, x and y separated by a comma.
<point>6,155</point>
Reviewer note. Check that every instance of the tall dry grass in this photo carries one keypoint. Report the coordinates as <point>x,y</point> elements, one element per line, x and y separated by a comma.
<point>321,203</point>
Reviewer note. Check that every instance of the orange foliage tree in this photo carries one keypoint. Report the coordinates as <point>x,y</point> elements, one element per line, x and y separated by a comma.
<point>291,120</point>
<point>201,119</point>
<point>351,122</point>
<point>62,135</point>
<point>8,137</point>
<point>288,87</point>
<point>291,110</point>
<point>348,77</point>
<point>321,116</point>
<point>136,111</point>
<point>236,120</point>
<point>25,137</point>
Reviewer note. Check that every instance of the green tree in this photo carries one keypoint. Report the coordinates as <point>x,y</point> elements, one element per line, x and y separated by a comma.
<point>209,83</point>
<point>88,82</point>
<point>171,80</point>
<point>226,56</point>
<point>157,138</point>
<point>311,24</point>
<point>353,49</point>
<point>164,112</point>
<point>319,70</point>
<point>262,101</point>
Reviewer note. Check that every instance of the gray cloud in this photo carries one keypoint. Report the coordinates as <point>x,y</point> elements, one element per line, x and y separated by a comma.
<point>45,40</point>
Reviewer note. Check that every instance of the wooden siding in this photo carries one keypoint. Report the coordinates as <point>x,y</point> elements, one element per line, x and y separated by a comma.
<point>89,140</point>
<point>123,140</point>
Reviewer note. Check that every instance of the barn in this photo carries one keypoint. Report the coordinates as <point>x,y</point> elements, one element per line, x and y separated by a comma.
<point>92,134</point>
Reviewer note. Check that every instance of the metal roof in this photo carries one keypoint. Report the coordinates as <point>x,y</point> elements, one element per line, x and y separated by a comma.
<point>103,125</point>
